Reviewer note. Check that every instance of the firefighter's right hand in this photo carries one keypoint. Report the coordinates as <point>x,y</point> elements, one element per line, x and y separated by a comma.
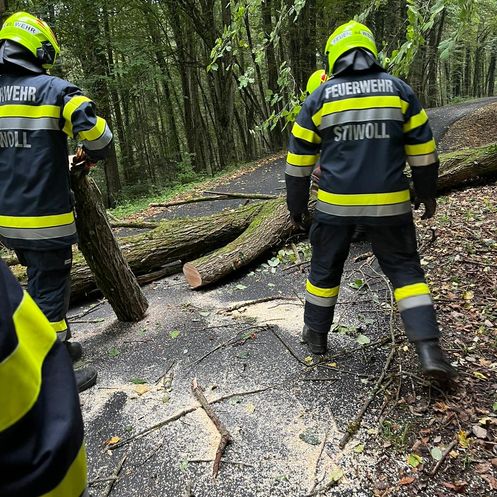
<point>430,205</point>
<point>300,220</point>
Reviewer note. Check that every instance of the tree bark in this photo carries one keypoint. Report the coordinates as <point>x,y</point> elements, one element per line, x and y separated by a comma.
<point>269,228</point>
<point>102,253</point>
<point>458,167</point>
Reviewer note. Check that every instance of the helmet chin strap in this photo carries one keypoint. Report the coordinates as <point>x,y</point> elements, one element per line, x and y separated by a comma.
<point>11,53</point>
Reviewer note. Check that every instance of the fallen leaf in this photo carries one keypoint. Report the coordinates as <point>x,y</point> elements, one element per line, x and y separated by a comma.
<point>250,408</point>
<point>174,334</point>
<point>112,440</point>
<point>492,482</point>
<point>437,439</point>
<point>336,475</point>
<point>357,284</point>
<point>458,486</point>
<point>141,389</point>
<point>407,480</point>
<point>484,467</point>
<point>308,360</point>
<point>479,375</point>
<point>363,340</point>
<point>359,448</point>
<point>240,287</point>
<point>462,436</point>
<point>204,313</point>
<point>468,295</point>
<point>309,437</point>
<point>414,460</point>
<point>494,407</point>
<point>479,432</point>
<point>494,462</point>
<point>436,453</point>
<point>138,381</point>
<point>331,364</point>
<point>183,465</point>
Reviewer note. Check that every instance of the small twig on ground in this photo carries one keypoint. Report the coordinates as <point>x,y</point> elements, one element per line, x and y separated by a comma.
<point>90,309</point>
<point>296,265</point>
<point>248,303</point>
<point>321,449</point>
<point>226,438</point>
<point>181,413</point>
<point>87,321</point>
<point>362,257</point>
<point>298,296</point>
<point>115,475</point>
<point>446,452</point>
<point>296,252</point>
<point>188,490</point>
<point>287,347</point>
<point>224,461</point>
<point>431,241</point>
<point>254,196</point>
<point>166,372</point>
<point>96,481</point>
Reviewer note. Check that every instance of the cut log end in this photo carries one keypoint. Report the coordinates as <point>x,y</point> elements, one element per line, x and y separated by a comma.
<point>192,275</point>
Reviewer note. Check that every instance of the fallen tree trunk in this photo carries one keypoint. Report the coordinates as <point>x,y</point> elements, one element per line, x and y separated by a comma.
<point>458,167</point>
<point>259,227</point>
<point>268,229</point>
<point>101,251</point>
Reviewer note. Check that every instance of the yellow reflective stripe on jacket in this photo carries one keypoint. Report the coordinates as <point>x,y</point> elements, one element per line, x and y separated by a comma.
<point>364,198</point>
<point>411,291</point>
<point>416,121</point>
<point>359,103</point>
<point>21,370</point>
<point>95,132</point>
<point>301,160</point>
<point>29,111</point>
<point>37,221</point>
<point>321,292</point>
<point>69,110</point>
<point>305,134</point>
<point>74,481</point>
<point>421,149</point>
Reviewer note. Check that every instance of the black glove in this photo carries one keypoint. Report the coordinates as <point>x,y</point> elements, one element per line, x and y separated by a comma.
<point>430,206</point>
<point>300,220</point>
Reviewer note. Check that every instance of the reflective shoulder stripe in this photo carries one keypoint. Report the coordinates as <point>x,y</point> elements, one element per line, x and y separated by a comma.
<point>305,134</point>
<point>37,221</point>
<point>422,160</point>
<point>361,103</point>
<point>404,106</point>
<point>69,109</point>
<point>416,121</point>
<point>95,132</point>
<point>421,149</point>
<point>364,198</point>
<point>301,160</point>
<point>361,115</point>
<point>413,290</point>
<point>33,111</point>
<point>298,171</point>
<point>100,142</point>
<point>74,482</point>
<point>321,292</point>
<point>20,372</point>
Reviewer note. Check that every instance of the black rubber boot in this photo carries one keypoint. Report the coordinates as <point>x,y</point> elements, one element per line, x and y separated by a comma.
<point>433,362</point>
<point>85,378</point>
<point>75,350</point>
<point>316,342</point>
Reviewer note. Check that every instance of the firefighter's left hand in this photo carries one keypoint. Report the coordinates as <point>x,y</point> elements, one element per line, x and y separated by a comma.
<point>430,205</point>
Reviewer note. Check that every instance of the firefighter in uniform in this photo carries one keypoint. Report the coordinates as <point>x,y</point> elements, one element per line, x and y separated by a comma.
<point>41,429</point>
<point>37,114</point>
<point>365,124</point>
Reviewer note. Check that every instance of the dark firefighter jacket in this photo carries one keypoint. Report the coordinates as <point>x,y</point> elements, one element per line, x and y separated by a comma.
<point>364,125</point>
<point>37,114</point>
<point>41,429</point>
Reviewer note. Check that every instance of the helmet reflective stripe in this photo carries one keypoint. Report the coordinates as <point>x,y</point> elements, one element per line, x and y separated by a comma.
<point>347,37</point>
<point>33,34</point>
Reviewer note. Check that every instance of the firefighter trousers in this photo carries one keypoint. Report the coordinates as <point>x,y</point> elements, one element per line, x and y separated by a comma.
<point>49,284</point>
<point>395,247</point>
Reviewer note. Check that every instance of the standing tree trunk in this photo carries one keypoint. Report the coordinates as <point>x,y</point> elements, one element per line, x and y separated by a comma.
<point>102,253</point>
